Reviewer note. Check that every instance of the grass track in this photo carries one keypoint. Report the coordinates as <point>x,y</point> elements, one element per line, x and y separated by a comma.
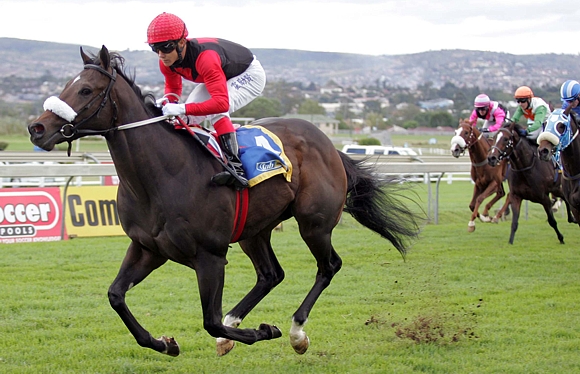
<point>460,303</point>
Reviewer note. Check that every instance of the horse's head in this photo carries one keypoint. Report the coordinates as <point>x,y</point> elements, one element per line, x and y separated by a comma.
<point>86,100</point>
<point>465,136</point>
<point>503,144</point>
<point>556,136</point>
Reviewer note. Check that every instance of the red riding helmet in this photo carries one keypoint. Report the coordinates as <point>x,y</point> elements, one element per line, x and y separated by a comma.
<point>165,27</point>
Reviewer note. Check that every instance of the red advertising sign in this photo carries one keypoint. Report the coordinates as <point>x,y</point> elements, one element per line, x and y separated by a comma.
<point>30,215</point>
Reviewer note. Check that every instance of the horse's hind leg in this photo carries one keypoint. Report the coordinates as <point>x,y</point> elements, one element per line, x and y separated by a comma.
<point>328,263</point>
<point>269,275</point>
<point>210,270</point>
<point>136,266</point>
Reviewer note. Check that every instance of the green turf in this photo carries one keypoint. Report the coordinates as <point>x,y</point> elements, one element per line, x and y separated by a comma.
<point>460,303</point>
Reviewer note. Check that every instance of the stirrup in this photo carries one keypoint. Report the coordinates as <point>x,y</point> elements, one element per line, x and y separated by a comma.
<point>233,176</point>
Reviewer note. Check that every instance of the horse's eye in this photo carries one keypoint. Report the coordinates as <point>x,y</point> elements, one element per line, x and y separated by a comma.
<point>85,91</point>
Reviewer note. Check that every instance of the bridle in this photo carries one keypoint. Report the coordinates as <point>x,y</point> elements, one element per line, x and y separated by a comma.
<point>470,142</point>
<point>510,147</point>
<point>503,154</point>
<point>71,128</point>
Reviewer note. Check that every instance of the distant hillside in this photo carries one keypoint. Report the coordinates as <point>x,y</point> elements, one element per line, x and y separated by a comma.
<point>29,58</point>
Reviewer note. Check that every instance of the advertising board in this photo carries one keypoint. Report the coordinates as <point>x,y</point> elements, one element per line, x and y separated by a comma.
<point>30,215</point>
<point>92,211</point>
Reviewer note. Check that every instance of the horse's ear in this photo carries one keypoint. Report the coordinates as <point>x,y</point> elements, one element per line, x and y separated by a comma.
<point>105,58</point>
<point>86,59</point>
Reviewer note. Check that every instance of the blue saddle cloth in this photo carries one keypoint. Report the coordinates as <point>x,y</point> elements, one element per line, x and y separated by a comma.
<point>262,154</point>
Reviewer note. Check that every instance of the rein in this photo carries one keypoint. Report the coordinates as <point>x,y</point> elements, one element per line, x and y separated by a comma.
<point>512,146</point>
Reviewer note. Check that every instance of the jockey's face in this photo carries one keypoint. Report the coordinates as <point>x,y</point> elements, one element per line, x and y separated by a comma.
<point>169,56</point>
<point>524,103</point>
<point>482,111</point>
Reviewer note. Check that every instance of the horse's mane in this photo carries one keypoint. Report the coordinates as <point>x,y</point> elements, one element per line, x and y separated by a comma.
<point>118,63</point>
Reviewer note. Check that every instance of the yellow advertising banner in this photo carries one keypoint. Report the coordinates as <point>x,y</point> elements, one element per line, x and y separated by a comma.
<point>91,211</point>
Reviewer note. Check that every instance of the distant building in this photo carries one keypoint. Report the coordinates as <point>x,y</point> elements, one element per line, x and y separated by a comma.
<point>327,125</point>
<point>436,104</point>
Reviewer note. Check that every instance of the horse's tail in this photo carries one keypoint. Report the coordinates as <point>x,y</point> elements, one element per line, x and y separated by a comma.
<point>377,204</point>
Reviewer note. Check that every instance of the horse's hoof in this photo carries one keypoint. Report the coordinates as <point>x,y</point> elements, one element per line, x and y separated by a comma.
<point>272,332</point>
<point>301,346</point>
<point>471,226</point>
<point>224,346</point>
<point>171,346</point>
<point>495,220</point>
<point>485,219</point>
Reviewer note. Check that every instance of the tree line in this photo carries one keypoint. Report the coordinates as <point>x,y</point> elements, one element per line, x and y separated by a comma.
<point>282,97</point>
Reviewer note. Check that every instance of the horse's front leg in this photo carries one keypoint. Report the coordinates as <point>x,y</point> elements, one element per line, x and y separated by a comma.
<point>269,275</point>
<point>479,200</point>
<point>136,266</point>
<point>500,192</point>
<point>210,279</point>
<point>473,208</point>
<point>502,210</point>
<point>516,204</point>
<point>547,204</point>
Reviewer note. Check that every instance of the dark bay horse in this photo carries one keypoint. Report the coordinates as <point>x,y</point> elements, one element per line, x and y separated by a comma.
<point>561,135</point>
<point>488,179</point>
<point>171,210</point>
<point>528,179</point>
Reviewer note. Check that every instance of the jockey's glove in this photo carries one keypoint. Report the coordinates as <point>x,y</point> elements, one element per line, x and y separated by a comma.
<point>160,102</point>
<point>171,109</point>
<point>523,132</point>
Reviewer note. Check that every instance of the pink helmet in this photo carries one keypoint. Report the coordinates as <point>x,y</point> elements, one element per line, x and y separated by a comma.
<point>165,27</point>
<point>481,101</point>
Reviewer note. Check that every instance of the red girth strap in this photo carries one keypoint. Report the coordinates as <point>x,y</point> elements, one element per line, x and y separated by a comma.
<point>242,201</point>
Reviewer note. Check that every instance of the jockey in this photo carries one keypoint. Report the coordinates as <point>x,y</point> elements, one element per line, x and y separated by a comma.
<point>534,109</point>
<point>491,112</point>
<point>570,94</point>
<point>228,77</point>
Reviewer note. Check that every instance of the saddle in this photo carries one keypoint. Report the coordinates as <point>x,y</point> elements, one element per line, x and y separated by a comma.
<point>258,161</point>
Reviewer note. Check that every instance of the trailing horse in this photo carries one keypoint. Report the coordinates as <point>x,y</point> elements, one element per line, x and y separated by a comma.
<point>488,180</point>
<point>528,178</point>
<point>171,210</point>
<point>560,136</point>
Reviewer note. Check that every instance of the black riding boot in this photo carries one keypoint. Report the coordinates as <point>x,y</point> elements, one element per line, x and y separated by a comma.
<point>229,144</point>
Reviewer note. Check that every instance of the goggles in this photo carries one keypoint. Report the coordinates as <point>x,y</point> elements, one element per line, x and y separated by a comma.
<point>164,47</point>
<point>521,101</point>
<point>571,100</point>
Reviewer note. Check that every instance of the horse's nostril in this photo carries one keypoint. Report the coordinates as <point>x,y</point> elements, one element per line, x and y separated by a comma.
<point>36,129</point>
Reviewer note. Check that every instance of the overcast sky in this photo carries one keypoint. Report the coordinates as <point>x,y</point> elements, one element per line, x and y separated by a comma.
<point>373,27</point>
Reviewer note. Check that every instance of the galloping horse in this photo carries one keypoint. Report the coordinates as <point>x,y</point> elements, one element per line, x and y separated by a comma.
<point>527,179</point>
<point>171,210</point>
<point>561,135</point>
<point>488,179</point>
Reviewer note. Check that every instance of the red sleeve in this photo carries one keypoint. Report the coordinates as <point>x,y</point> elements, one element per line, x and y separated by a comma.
<point>209,68</point>
<point>173,82</point>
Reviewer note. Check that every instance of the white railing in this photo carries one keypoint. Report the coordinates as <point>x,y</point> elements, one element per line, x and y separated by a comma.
<point>429,168</point>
